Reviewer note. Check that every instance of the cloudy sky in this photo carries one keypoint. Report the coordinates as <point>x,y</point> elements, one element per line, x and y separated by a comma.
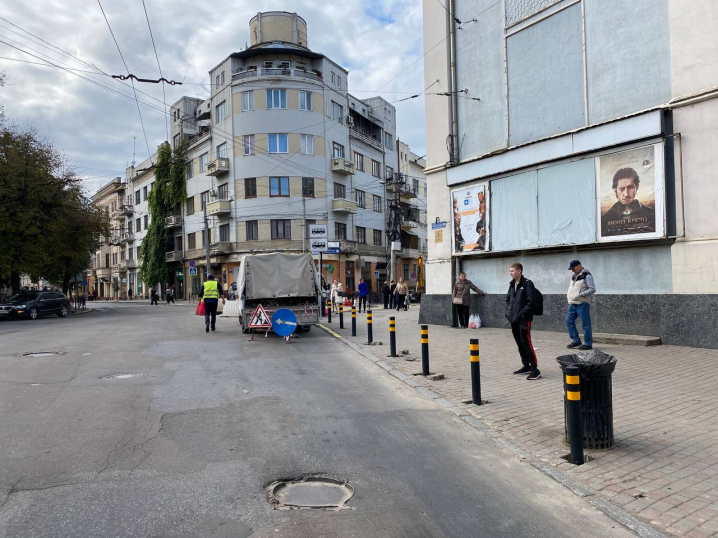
<point>375,40</point>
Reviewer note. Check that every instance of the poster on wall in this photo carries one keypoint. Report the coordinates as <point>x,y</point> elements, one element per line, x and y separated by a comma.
<point>631,194</point>
<point>470,225</point>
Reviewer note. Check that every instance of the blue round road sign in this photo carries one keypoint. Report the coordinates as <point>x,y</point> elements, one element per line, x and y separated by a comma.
<point>284,322</point>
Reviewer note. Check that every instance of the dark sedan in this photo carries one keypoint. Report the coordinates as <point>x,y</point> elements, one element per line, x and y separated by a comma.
<point>31,304</point>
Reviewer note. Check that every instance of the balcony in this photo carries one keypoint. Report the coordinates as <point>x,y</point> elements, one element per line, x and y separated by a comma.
<point>404,190</point>
<point>219,207</point>
<point>341,205</point>
<point>127,237</point>
<point>127,210</point>
<point>173,221</point>
<point>278,72</point>
<point>129,264</point>
<point>410,225</point>
<point>116,240</point>
<point>218,167</point>
<point>223,247</point>
<point>173,256</point>
<point>342,166</point>
<point>370,140</point>
<point>117,214</point>
<point>102,272</point>
<point>122,266</point>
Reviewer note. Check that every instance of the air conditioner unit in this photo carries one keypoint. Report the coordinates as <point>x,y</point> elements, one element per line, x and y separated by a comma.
<point>350,121</point>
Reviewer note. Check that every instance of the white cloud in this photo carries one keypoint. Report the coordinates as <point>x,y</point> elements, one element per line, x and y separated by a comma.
<point>374,40</point>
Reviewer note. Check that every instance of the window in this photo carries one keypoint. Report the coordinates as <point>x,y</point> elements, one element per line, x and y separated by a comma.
<point>389,173</point>
<point>137,197</point>
<point>305,101</point>
<point>406,271</point>
<point>333,77</point>
<point>375,168</point>
<point>224,232</point>
<point>307,144</point>
<point>339,81</point>
<point>337,150</point>
<point>248,144</point>
<point>340,230</point>
<point>278,143</point>
<point>107,260</point>
<point>139,251</point>
<point>377,238</point>
<point>252,230</point>
<point>223,192</point>
<point>222,77</point>
<point>340,190</point>
<point>204,197</point>
<point>250,187</point>
<point>216,83</point>
<point>130,253</point>
<point>377,203</point>
<point>190,172</point>
<point>220,112</point>
<point>146,221</point>
<point>138,225</point>
<point>222,151</point>
<point>360,198</point>
<point>276,98</point>
<point>416,186</point>
<point>191,241</point>
<point>278,186</point>
<point>114,258</point>
<point>308,187</point>
<point>337,112</point>
<point>190,206</point>
<point>144,193</point>
<point>203,160</point>
<point>247,101</point>
<point>361,235</point>
<point>388,140</point>
<point>281,229</point>
<point>359,161</point>
<point>152,186</point>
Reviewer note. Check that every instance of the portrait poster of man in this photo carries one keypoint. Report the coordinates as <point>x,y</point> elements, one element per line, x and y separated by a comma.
<point>470,225</point>
<point>631,194</point>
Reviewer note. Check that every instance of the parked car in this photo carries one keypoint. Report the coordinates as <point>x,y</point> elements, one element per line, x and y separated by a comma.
<point>31,304</point>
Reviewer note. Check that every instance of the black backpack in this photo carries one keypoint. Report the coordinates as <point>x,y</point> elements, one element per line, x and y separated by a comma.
<point>536,301</point>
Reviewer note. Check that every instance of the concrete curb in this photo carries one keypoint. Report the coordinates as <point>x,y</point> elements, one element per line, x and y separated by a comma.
<point>616,513</point>
<point>85,311</point>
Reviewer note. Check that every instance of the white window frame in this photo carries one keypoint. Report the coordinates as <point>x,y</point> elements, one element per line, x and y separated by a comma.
<point>248,101</point>
<point>360,198</point>
<point>203,162</point>
<point>220,112</point>
<point>248,144</point>
<point>222,151</point>
<point>306,143</point>
<point>335,146</point>
<point>276,99</point>
<point>276,140</point>
<point>376,201</point>
<point>305,101</point>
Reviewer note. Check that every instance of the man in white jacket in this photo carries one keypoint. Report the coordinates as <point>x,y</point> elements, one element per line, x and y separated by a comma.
<point>579,291</point>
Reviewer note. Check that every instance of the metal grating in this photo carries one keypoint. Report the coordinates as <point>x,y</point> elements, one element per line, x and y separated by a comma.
<point>518,10</point>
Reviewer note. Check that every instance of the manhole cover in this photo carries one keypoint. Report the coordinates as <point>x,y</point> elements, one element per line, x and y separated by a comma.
<point>121,376</point>
<point>309,492</point>
<point>42,353</point>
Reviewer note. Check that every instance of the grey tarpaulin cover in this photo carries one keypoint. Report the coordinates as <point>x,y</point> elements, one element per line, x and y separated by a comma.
<point>591,363</point>
<point>278,275</point>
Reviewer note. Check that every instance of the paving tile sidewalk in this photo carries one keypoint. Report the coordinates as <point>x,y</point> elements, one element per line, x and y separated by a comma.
<point>664,469</point>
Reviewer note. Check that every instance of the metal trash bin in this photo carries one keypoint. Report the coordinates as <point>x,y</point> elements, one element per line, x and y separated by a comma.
<point>595,368</point>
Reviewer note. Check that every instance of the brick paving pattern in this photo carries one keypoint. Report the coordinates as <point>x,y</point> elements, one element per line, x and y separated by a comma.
<point>664,468</point>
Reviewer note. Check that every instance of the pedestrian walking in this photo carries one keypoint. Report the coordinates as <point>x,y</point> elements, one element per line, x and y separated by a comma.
<point>386,292</point>
<point>519,311</point>
<point>363,290</point>
<point>402,290</point>
<point>335,295</point>
<point>461,299</point>
<point>579,290</point>
<point>211,293</point>
<point>4,293</point>
<point>154,296</point>
<point>129,294</point>
<point>392,297</point>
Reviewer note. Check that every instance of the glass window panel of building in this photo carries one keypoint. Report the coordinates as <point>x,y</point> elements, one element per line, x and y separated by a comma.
<point>278,143</point>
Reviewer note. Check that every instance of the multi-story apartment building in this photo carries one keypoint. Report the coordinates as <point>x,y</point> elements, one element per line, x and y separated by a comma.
<point>586,131</point>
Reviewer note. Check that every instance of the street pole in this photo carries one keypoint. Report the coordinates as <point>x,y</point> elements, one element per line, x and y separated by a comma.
<point>304,217</point>
<point>206,240</point>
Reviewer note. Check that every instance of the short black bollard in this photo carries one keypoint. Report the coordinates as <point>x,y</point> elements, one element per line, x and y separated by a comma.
<point>354,321</point>
<point>425,350</point>
<point>341,315</point>
<point>475,371</point>
<point>329,311</point>
<point>392,337</point>
<point>369,331</point>
<point>573,401</point>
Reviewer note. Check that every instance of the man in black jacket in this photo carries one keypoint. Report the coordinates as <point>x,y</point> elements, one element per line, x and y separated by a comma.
<point>520,315</point>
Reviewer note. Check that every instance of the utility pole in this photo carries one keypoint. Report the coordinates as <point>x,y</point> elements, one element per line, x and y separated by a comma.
<point>304,216</point>
<point>206,238</point>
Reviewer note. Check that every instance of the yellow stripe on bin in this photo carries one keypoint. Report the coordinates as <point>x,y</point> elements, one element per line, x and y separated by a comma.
<point>572,380</point>
<point>570,395</point>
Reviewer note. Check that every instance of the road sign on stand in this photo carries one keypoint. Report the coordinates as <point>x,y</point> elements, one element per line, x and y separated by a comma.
<point>192,270</point>
<point>318,231</point>
<point>259,319</point>
<point>284,322</point>
<point>318,245</point>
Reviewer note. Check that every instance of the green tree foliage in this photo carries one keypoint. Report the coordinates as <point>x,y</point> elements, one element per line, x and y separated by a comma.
<point>167,195</point>
<point>48,228</point>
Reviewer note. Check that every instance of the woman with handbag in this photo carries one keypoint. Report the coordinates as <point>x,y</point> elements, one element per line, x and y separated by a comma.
<point>461,299</point>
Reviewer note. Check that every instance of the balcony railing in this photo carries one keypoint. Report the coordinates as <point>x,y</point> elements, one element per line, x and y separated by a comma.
<point>365,138</point>
<point>277,72</point>
<point>341,205</point>
<point>127,210</point>
<point>218,166</point>
<point>343,166</point>
<point>222,247</point>
<point>273,72</point>
<point>219,207</point>
<point>127,237</point>
<point>173,256</point>
<point>408,191</point>
<point>115,240</point>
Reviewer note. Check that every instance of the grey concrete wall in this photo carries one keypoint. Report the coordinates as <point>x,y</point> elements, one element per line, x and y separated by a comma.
<point>480,69</point>
<point>628,56</point>
<point>546,80</point>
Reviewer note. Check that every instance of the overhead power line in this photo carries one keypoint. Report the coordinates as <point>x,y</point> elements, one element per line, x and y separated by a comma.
<point>162,78</point>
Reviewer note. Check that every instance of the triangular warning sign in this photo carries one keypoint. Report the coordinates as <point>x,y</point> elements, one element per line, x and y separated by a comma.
<point>259,319</point>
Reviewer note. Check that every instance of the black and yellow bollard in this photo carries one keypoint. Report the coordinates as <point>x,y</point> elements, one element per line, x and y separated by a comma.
<point>369,331</point>
<point>341,315</point>
<point>475,371</point>
<point>425,350</point>
<point>329,311</point>
<point>354,321</point>
<point>573,404</point>
<point>392,337</point>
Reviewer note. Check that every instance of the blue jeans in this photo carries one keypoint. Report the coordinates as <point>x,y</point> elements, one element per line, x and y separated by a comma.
<point>583,311</point>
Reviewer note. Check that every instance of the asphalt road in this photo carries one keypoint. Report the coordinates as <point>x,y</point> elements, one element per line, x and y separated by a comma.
<point>187,448</point>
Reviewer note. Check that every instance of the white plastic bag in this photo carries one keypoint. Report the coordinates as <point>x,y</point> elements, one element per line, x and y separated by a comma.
<point>474,321</point>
